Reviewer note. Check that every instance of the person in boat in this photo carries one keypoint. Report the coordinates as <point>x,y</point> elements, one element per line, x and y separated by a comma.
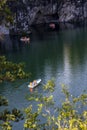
<point>30,83</point>
<point>35,82</point>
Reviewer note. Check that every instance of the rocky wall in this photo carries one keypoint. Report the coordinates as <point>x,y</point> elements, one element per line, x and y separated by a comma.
<point>39,12</point>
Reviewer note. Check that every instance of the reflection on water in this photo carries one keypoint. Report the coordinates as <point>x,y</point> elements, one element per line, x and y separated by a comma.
<point>67,65</point>
<point>62,55</point>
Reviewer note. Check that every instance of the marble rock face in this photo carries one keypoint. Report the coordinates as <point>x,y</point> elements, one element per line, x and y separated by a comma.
<point>73,11</point>
<point>39,12</point>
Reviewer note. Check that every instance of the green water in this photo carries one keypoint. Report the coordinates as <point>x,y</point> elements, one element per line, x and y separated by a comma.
<point>58,54</point>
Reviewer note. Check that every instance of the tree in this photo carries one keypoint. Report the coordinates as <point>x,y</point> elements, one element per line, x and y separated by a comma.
<point>8,116</point>
<point>70,116</point>
<point>10,71</point>
<point>5,13</point>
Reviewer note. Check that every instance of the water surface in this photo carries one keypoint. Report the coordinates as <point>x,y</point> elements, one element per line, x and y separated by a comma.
<point>61,55</point>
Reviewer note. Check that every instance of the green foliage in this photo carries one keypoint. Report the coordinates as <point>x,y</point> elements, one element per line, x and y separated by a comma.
<point>7,117</point>
<point>10,71</point>
<point>67,116</point>
<point>49,85</point>
<point>43,115</point>
<point>2,2</point>
<point>31,118</point>
<point>3,101</point>
<point>6,16</point>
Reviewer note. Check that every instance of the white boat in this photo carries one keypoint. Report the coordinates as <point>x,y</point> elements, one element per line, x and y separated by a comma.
<point>34,83</point>
<point>25,39</point>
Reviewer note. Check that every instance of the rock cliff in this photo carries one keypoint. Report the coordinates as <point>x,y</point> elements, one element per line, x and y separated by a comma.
<point>73,11</point>
<point>31,12</point>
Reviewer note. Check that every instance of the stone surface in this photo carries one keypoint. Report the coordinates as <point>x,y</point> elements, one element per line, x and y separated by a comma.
<point>68,11</point>
<point>39,12</point>
<point>73,12</point>
<point>4,29</point>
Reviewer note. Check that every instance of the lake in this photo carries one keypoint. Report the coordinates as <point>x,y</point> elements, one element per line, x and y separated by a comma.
<point>61,55</point>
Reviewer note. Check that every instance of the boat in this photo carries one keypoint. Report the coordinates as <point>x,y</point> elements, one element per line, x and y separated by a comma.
<point>52,25</point>
<point>25,39</point>
<point>34,83</point>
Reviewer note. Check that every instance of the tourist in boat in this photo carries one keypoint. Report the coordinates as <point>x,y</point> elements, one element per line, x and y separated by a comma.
<point>30,83</point>
<point>35,82</point>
